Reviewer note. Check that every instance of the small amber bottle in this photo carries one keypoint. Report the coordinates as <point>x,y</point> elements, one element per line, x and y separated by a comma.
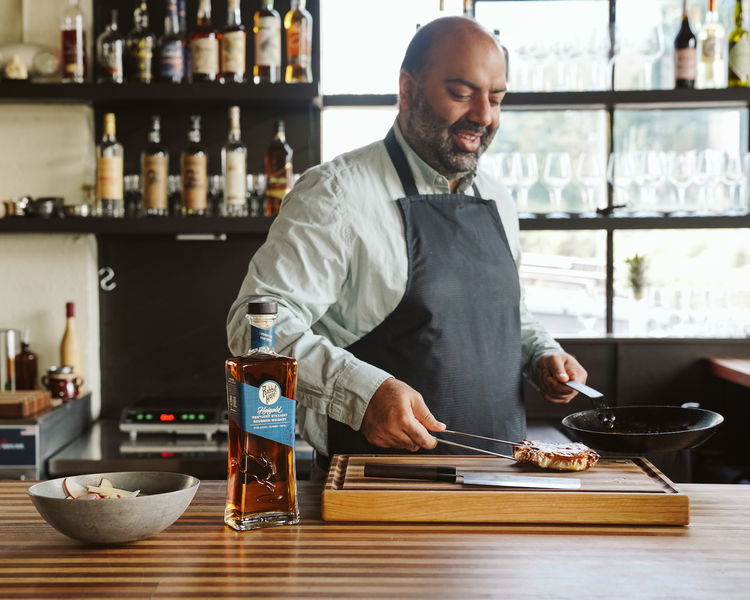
<point>27,366</point>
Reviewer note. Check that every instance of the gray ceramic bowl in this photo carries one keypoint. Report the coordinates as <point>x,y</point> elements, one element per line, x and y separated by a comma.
<point>163,498</point>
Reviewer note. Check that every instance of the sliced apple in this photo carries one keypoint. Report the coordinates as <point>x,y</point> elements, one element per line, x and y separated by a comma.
<point>73,489</point>
<point>108,492</point>
<point>105,483</point>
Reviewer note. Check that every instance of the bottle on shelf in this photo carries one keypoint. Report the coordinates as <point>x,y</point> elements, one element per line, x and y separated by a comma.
<point>267,35</point>
<point>712,51</point>
<point>175,196</point>
<point>133,195</point>
<point>155,172</point>
<point>73,48</point>
<point>140,43</point>
<point>70,345</point>
<point>298,23</point>
<point>204,46</point>
<point>171,46</point>
<point>277,162</point>
<point>685,53</point>
<point>194,171</point>
<point>261,485</point>
<point>109,172</point>
<point>739,51</point>
<point>234,168</point>
<point>27,366</point>
<point>110,52</point>
<point>234,45</point>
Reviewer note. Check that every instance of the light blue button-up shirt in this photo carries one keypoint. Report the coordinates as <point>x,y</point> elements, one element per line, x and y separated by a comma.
<point>335,261</point>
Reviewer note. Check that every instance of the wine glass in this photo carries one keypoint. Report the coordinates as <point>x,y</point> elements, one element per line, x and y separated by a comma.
<point>528,175</point>
<point>733,177</point>
<point>590,174</point>
<point>557,174</point>
<point>651,47</point>
<point>707,176</point>
<point>620,173</point>
<point>649,173</point>
<point>506,169</point>
<point>746,170</point>
<point>680,171</point>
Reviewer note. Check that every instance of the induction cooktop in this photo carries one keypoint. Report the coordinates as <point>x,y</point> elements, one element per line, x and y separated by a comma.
<point>181,416</point>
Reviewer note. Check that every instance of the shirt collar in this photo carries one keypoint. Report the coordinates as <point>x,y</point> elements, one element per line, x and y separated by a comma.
<point>424,175</point>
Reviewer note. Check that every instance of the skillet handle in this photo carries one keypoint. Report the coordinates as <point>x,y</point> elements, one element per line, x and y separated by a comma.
<point>427,472</point>
<point>584,389</point>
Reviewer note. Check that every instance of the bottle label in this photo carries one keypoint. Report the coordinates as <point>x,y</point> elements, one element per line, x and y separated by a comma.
<point>205,55</point>
<point>233,50</point>
<point>74,53</point>
<point>195,181</point>
<point>685,63</point>
<point>154,174</point>
<point>109,181</point>
<point>298,45</point>
<point>712,48</point>
<point>143,54</point>
<point>739,59</point>
<point>262,410</point>
<point>235,179</point>
<point>278,183</point>
<point>260,337</point>
<point>268,42</point>
<point>110,61</point>
<point>172,61</point>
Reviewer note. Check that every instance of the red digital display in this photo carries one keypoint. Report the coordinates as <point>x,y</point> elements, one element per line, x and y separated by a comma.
<point>166,417</point>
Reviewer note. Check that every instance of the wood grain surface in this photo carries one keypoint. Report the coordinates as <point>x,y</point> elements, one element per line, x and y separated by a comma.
<point>198,557</point>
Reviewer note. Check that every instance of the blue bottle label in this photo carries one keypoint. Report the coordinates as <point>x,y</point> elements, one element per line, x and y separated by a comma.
<point>261,337</point>
<point>172,61</point>
<point>262,410</point>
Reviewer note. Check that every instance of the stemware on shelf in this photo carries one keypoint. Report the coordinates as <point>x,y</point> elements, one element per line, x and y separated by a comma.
<point>649,174</point>
<point>734,179</point>
<point>590,175</point>
<point>680,171</point>
<point>621,174</point>
<point>527,169</point>
<point>557,175</point>
<point>707,177</point>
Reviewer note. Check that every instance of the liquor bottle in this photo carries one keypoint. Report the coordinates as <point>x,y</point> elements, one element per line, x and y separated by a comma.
<point>685,51</point>
<point>70,346</point>
<point>175,195</point>
<point>739,51</point>
<point>109,172</point>
<point>172,46</point>
<point>234,45</point>
<point>712,51</point>
<point>234,168</point>
<point>279,173</point>
<point>110,52</point>
<point>204,46</point>
<point>27,366</point>
<point>261,486</point>
<point>73,32</point>
<point>194,171</point>
<point>141,43</point>
<point>155,172</point>
<point>267,31</point>
<point>298,24</point>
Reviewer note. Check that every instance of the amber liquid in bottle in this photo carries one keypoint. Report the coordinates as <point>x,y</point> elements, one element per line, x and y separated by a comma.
<point>261,486</point>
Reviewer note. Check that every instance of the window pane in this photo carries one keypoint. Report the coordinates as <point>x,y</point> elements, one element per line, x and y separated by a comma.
<point>563,274</point>
<point>693,283</point>
<point>344,129</point>
<point>362,43</point>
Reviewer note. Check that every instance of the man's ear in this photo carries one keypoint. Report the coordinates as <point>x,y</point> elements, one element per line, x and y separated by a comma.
<point>406,88</point>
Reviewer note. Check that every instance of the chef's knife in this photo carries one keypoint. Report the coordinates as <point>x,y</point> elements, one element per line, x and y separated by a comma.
<point>454,475</point>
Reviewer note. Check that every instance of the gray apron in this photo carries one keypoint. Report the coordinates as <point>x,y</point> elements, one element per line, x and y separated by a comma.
<point>455,336</point>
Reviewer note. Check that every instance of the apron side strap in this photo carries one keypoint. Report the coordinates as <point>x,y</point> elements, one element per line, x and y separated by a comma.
<point>398,158</point>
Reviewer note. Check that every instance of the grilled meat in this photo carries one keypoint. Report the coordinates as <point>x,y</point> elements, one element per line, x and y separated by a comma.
<point>572,456</point>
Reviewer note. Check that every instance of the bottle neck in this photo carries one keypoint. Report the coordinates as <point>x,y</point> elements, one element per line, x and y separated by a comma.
<point>112,21</point>
<point>140,16</point>
<point>234,123</point>
<point>204,13</point>
<point>195,133</point>
<point>234,16</point>
<point>109,127</point>
<point>154,136</point>
<point>711,7</point>
<point>171,19</point>
<point>738,16</point>
<point>267,4</point>
<point>298,5</point>
<point>262,334</point>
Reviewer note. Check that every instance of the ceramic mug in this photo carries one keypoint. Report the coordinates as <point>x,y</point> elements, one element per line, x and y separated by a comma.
<point>62,383</point>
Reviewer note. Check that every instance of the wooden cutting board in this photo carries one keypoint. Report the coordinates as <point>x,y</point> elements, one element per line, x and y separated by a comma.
<point>14,405</point>
<point>622,491</point>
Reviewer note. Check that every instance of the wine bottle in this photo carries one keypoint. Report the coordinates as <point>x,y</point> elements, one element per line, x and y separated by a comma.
<point>712,51</point>
<point>155,172</point>
<point>234,45</point>
<point>267,31</point>
<point>110,51</point>
<point>739,51</point>
<point>279,173</point>
<point>298,24</point>
<point>234,168</point>
<point>70,346</point>
<point>194,171</point>
<point>204,46</point>
<point>685,53</point>
<point>27,366</point>
<point>109,172</point>
<point>140,47</point>
<point>73,33</point>
<point>172,46</point>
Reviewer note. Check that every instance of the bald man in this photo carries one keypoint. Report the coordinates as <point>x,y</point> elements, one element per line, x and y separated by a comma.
<point>395,268</point>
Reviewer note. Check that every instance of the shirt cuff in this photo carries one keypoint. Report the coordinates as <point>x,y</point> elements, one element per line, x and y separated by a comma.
<point>352,391</point>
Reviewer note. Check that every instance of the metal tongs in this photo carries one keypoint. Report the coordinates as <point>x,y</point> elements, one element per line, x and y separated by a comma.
<point>481,437</point>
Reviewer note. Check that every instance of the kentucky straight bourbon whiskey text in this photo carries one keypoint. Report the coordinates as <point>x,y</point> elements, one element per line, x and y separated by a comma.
<point>261,488</point>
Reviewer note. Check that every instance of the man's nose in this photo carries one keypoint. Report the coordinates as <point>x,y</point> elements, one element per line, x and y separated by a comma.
<point>481,111</point>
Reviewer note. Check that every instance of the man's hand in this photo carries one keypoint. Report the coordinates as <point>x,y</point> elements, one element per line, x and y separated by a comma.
<point>554,368</point>
<point>397,417</point>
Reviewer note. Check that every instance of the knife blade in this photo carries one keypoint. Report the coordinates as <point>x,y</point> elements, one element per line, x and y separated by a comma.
<point>454,475</point>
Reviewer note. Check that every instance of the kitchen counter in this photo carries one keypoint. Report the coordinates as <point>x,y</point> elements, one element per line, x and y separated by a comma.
<point>199,557</point>
<point>736,370</point>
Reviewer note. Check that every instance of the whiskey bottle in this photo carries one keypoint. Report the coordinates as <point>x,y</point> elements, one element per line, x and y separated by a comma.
<point>234,168</point>
<point>70,346</point>
<point>204,46</point>
<point>261,486</point>
<point>267,32</point>
<point>73,33</point>
<point>194,171</point>
<point>141,43</point>
<point>234,45</point>
<point>27,366</point>
<point>109,172</point>
<point>110,51</point>
<point>278,168</point>
<point>298,24</point>
<point>739,51</point>
<point>155,172</point>
<point>172,46</point>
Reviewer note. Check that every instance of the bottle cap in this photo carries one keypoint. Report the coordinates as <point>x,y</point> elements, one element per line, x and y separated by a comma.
<point>69,309</point>
<point>262,308</point>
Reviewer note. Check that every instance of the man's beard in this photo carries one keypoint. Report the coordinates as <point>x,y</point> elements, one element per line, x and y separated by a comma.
<point>429,135</point>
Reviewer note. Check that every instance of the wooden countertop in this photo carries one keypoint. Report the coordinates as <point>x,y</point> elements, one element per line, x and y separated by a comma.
<point>198,557</point>
<point>736,370</point>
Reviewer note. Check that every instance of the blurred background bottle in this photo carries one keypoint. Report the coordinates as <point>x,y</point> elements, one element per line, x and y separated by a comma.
<point>73,32</point>
<point>27,366</point>
<point>194,170</point>
<point>712,51</point>
<point>204,46</point>
<point>685,53</point>
<point>109,172</point>
<point>70,345</point>
<point>171,46</point>
<point>267,32</point>
<point>298,24</point>
<point>110,52</point>
<point>739,51</point>
<point>141,43</point>
<point>234,45</point>
<point>279,172</point>
<point>155,172</point>
<point>234,168</point>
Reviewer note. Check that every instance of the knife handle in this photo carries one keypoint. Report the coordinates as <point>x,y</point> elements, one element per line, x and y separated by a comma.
<point>394,471</point>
